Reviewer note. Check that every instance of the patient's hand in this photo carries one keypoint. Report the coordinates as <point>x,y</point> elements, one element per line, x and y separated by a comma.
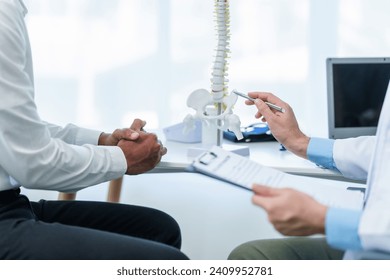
<point>131,134</point>
<point>142,154</point>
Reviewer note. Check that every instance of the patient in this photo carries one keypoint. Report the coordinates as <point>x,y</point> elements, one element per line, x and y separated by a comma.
<point>38,155</point>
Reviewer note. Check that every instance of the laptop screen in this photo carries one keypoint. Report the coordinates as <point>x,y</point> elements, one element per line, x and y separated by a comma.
<point>356,90</point>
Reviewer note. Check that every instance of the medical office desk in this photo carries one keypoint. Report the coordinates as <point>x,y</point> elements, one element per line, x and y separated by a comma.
<point>265,153</point>
<point>214,216</point>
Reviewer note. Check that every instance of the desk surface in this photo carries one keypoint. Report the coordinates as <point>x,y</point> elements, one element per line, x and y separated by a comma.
<point>266,153</point>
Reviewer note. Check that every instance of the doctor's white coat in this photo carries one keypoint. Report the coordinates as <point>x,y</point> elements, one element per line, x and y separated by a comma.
<point>368,157</point>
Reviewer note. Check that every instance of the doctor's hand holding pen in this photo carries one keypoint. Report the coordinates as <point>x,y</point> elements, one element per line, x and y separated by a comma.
<point>291,212</point>
<point>284,125</point>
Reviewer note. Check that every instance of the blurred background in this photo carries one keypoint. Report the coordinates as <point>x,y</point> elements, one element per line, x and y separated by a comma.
<point>101,63</point>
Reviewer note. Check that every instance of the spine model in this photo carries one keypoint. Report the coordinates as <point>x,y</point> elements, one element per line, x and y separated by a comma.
<point>219,73</point>
<point>205,102</point>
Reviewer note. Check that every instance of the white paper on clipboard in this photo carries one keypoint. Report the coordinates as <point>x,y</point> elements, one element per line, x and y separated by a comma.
<point>243,172</point>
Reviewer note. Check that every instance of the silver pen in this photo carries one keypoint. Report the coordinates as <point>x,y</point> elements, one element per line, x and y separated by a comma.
<point>271,105</point>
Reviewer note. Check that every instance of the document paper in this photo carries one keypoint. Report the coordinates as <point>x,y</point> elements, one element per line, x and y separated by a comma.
<point>241,171</point>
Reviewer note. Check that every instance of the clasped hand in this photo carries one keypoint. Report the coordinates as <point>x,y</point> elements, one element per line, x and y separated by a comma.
<point>143,150</point>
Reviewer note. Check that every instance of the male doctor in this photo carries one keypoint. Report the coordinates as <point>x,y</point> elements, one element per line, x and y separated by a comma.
<point>348,233</point>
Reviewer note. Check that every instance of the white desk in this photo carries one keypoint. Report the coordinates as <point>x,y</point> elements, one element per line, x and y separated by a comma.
<point>266,153</point>
<point>214,216</point>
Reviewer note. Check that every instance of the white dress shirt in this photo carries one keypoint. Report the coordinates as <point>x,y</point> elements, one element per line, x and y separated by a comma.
<point>33,153</point>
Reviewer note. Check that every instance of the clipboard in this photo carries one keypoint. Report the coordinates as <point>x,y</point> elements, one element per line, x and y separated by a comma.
<point>244,172</point>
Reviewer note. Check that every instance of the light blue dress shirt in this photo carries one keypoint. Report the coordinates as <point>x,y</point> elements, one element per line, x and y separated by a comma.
<point>341,225</point>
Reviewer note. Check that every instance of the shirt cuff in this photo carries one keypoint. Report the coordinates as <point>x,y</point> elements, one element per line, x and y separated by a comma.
<point>87,136</point>
<point>341,226</point>
<point>320,151</point>
<point>118,159</point>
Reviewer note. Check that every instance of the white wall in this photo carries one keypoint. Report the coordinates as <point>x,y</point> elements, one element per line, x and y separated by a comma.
<point>96,60</point>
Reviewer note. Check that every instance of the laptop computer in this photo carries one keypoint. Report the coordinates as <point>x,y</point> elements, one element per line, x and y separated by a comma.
<point>356,88</point>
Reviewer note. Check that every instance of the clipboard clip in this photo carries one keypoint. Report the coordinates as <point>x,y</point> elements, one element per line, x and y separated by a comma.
<point>207,158</point>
